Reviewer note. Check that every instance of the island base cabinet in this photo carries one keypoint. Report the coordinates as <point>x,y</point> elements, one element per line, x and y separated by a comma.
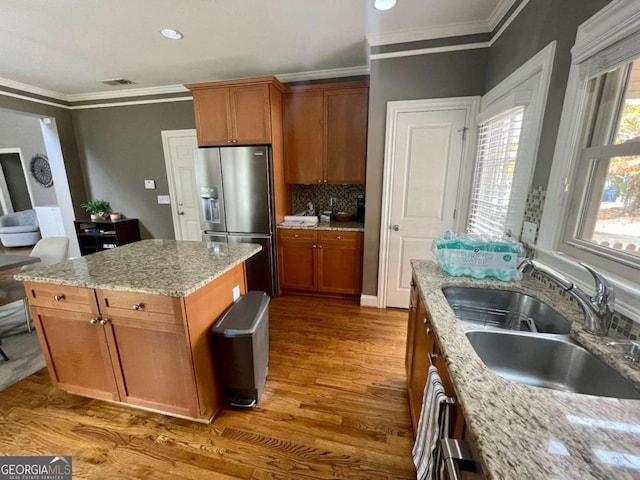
<point>151,365</point>
<point>144,350</point>
<point>77,352</point>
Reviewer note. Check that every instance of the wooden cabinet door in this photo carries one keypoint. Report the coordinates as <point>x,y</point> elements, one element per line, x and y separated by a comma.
<point>303,137</point>
<point>76,352</point>
<point>296,256</point>
<point>423,344</point>
<point>213,116</point>
<point>411,325</point>
<point>153,364</point>
<point>346,135</point>
<point>339,262</point>
<point>250,115</point>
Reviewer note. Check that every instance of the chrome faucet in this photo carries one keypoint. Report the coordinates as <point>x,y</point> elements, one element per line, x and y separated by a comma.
<point>598,310</point>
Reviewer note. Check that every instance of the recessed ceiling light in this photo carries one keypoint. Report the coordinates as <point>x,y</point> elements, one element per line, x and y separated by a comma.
<point>384,4</point>
<point>172,34</point>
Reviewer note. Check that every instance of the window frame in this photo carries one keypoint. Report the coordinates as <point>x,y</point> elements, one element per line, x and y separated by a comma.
<point>528,86</point>
<point>592,55</point>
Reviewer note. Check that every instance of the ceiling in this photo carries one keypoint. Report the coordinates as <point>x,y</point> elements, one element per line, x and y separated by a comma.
<point>65,48</point>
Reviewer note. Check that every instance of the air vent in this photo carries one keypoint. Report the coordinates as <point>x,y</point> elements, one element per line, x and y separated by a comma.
<point>118,81</point>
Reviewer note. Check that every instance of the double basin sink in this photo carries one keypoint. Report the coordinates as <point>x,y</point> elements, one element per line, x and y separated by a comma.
<point>526,341</point>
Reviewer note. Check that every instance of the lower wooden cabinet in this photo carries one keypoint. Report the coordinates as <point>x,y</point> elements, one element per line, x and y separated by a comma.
<point>323,261</point>
<point>423,351</point>
<point>145,350</point>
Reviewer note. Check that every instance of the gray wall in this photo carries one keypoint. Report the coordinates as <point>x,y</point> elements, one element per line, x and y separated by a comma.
<point>539,23</point>
<point>455,74</point>
<point>19,130</point>
<point>120,147</point>
<point>66,134</point>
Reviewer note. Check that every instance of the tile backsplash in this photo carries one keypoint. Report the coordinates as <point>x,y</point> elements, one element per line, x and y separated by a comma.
<point>621,326</point>
<point>345,197</point>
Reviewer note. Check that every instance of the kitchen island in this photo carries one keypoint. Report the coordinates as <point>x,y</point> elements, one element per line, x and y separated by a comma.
<point>525,432</point>
<point>131,324</point>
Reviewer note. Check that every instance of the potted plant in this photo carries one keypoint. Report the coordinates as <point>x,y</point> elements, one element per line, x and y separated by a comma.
<point>98,209</point>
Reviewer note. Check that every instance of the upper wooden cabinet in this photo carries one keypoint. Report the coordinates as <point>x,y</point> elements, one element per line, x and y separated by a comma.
<point>325,133</point>
<point>237,112</point>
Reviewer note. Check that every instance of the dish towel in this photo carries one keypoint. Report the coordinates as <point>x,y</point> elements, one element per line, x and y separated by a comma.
<point>434,420</point>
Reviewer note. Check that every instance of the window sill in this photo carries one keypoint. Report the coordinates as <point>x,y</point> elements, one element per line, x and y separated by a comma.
<point>627,300</point>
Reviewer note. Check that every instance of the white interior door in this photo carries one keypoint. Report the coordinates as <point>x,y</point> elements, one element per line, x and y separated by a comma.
<point>427,157</point>
<point>178,154</point>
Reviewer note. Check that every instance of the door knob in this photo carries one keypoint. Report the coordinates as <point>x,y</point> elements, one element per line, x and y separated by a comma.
<point>180,213</point>
<point>395,227</point>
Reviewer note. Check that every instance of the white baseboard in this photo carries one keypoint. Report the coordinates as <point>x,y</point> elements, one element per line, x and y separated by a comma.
<point>369,301</point>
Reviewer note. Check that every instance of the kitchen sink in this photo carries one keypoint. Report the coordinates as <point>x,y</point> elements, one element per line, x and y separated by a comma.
<point>549,361</point>
<point>505,309</point>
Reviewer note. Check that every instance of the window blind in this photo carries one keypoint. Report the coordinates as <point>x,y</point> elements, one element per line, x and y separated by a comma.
<point>498,140</point>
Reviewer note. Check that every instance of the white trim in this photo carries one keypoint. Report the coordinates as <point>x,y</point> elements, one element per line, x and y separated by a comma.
<point>322,74</point>
<point>129,92</point>
<point>167,135</point>
<point>429,51</point>
<point>429,33</point>
<point>611,24</point>
<point>5,82</point>
<point>499,12</point>
<point>503,96</point>
<point>133,102</point>
<point>394,109</point>
<point>32,99</point>
<point>506,24</point>
<point>369,301</point>
<point>5,198</point>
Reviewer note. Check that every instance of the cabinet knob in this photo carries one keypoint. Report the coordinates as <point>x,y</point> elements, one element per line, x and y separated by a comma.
<point>429,331</point>
<point>93,321</point>
<point>324,181</point>
<point>315,246</point>
<point>320,181</point>
<point>104,321</point>
<point>58,298</point>
<point>412,284</point>
<point>234,141</point>
<point>296,236</point>
<point>180,212</point>
<point>319,246</point>
<point>339,237</point>
<point>411,306</point>
<point>138,306</point>
<point>425,320</point>
<point>433,356</point>
<point>229,141</point>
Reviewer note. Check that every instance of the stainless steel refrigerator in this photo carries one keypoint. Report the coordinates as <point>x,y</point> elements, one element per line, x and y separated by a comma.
<point>235,186</point>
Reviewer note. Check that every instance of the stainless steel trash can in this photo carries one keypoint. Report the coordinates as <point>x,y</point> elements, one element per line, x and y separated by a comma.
<point>241,347</point>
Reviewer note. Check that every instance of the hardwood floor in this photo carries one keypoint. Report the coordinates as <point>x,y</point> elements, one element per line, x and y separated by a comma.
<point>334,406</point>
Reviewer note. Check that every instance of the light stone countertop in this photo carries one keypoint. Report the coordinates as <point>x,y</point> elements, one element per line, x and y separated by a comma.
<point>162,267</point>
<point>525,432</point>
<point>333,225</point>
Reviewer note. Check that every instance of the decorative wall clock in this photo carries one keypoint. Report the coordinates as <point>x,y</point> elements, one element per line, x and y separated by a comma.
<point>40,170</point>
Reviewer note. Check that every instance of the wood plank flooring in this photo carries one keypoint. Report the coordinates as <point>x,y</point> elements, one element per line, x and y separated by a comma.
<point>334,406</point>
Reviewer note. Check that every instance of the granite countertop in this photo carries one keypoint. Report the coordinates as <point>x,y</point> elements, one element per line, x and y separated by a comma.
<point>525,432</point>
<point>162,267</point>
<point>332,225</point>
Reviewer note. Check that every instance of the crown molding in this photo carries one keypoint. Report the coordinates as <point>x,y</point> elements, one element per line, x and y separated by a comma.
<point>429,33</point>
<point>23,87</point>
<point>429,51</point>
<point>129,92</point>
<point>499,12</point>
<point>321,74</point>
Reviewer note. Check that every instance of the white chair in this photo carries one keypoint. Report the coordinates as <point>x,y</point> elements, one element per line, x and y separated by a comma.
<point>50,250</point>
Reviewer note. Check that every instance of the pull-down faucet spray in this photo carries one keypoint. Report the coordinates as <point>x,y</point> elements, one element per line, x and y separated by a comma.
<point>598,310</point>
